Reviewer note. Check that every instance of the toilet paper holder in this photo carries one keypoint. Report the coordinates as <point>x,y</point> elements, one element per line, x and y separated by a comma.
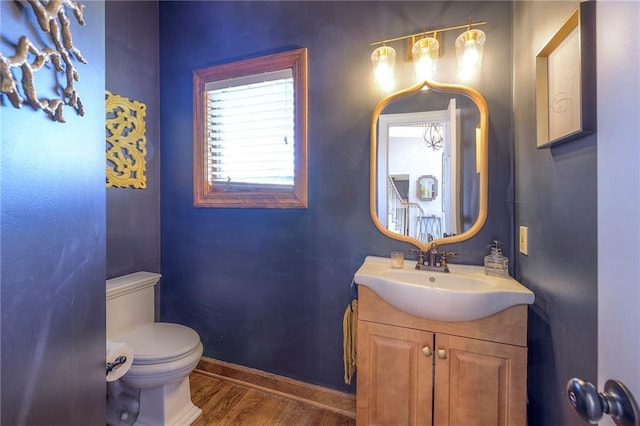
<point>116,363</point>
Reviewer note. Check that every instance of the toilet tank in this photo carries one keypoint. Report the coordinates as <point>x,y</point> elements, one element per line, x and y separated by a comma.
<point>130,301</point>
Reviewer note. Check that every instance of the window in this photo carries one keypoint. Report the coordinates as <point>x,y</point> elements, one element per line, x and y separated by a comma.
<point>250,133</point>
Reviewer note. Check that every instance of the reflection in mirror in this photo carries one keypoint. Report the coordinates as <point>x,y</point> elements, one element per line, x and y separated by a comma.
<point>436,141</point>
<point>427,188</point>
<point>428,134</point>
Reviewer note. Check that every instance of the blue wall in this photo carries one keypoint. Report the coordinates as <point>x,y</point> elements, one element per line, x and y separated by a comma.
<point>556,199</point>
<point>52,279</point>
<point>133,215</point>
<point>267,288</point>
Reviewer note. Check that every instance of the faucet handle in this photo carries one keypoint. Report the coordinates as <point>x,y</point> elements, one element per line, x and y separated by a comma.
<point>418,252</point>
<point>420,256</point>
<point>443,257</point>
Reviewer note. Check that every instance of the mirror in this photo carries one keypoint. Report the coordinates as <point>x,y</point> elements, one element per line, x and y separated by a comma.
<point>427,189</point>
<point>432,137</point>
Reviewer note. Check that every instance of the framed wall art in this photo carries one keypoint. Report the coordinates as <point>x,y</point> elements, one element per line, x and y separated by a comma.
<point>566,81</point>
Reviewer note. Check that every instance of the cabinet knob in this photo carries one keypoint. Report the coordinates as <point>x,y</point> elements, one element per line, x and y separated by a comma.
<point>442,353</point>
<point>426,351</point>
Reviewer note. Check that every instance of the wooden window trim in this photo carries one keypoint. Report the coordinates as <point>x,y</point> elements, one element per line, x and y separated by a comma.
<point>203,195</point>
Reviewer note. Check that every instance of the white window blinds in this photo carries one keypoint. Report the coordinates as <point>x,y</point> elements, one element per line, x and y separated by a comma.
<point>250,130</point>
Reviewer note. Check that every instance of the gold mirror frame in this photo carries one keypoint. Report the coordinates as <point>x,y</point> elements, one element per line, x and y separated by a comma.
<point>482,161</point>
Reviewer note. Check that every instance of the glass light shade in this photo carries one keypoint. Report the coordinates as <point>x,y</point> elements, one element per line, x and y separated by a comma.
<point>469,47</point>
<point>425,55</point>
<point>384,61</point>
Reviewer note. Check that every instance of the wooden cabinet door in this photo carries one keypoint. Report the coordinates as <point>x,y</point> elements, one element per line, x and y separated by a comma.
<point>395,376</point>
<point>479,383</point>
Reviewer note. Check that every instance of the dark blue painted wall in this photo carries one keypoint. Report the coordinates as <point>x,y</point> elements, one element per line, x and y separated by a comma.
<point>556,199</point>
<point>267,288</point>
<point>52,240</point>
<point>133,215</point>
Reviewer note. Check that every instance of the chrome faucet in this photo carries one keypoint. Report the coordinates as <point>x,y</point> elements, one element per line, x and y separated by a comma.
<point>433,255</point>
<point>433,260</point>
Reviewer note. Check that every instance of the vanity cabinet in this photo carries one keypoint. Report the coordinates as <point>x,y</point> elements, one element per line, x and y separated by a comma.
<point>413,371</point>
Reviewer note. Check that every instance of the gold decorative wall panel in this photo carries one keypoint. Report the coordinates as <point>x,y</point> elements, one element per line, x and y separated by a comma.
<point>126,142</point>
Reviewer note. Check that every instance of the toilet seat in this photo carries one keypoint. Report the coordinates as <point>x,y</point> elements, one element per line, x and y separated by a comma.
<point>160,343</point>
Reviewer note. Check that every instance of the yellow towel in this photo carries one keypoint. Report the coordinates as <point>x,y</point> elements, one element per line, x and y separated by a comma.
<point>349,339</point>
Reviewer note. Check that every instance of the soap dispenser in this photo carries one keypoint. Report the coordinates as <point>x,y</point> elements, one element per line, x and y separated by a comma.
<point>495,263</point>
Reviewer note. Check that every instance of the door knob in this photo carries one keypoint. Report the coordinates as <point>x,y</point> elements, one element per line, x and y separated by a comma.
<point>616,401</point>
<point>442,353</point>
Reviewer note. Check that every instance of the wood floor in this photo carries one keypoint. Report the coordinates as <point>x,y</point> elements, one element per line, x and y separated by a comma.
<point>226,402</point>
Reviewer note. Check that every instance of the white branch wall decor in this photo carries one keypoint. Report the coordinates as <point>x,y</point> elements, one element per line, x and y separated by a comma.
<point>28,58</point>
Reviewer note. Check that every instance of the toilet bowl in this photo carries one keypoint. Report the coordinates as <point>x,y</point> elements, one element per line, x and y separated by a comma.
<point>164,353</point>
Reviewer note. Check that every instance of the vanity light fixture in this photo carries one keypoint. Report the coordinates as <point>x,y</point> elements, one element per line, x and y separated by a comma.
<point>423,49</point>
<point>425,57</point>
<point>384,61</point>
<point>469,47</point>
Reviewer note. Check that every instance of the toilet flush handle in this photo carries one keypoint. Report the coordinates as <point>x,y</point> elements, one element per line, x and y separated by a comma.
<point>116,363</point>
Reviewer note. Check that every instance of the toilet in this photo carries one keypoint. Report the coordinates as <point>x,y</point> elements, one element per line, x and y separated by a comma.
<point>164,353</point>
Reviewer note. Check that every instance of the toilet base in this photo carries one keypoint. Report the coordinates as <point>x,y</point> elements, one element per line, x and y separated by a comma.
<point>167,405</point>
<point>123,404</point>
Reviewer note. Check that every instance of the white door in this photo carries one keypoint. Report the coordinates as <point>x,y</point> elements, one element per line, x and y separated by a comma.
<point>450,181</point>
<point>618,82</point>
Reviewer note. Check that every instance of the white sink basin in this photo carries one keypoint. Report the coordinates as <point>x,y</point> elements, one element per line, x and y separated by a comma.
<point>463,294</point>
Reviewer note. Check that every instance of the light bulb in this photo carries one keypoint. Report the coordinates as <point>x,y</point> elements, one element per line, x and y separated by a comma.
<point>470,57</point>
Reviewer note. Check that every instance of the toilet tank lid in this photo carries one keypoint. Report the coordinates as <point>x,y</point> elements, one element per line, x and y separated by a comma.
<point>130,283</point>
<point>158,341</point>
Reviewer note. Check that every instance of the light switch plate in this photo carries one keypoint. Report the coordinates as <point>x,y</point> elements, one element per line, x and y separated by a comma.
<point>524,241</point>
